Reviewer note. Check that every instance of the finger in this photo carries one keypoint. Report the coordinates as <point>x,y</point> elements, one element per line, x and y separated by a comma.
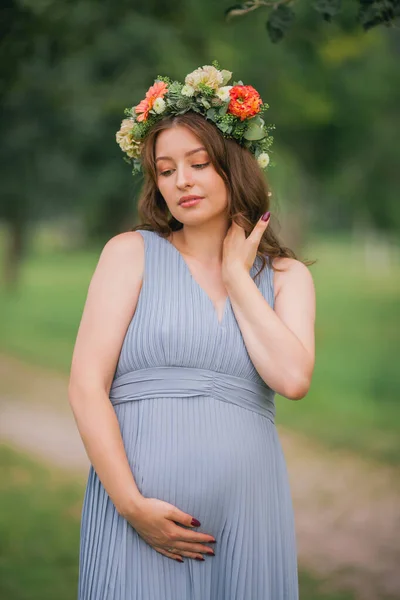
<point>187,553</point>
<point>185,535</point>
<point>190,547</point>
<point>237,229</point>
<point>235,225</point>
<point>259,228</point>
<point>265,217</point>
<point>195,555</point>
<point>177,557</point>
<point>178,516</point>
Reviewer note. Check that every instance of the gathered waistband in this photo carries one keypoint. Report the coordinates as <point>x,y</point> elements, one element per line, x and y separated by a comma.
<point>180,382</point>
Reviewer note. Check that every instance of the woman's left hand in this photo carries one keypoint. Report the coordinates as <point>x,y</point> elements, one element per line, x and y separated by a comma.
<point>239,252</point>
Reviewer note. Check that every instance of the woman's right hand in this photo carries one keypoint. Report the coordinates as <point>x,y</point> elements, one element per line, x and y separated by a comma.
<point>154,520</point>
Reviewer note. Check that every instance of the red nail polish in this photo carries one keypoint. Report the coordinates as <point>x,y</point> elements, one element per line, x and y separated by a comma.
<point>196,523</point>
<point>266,216</point>
<point>198,558</point>
<point>179,560</point>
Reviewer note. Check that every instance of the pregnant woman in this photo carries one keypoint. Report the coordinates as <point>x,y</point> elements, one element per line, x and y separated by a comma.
<point>192,322</point>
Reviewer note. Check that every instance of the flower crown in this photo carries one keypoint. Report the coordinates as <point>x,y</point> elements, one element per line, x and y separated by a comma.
<point>235,110</point>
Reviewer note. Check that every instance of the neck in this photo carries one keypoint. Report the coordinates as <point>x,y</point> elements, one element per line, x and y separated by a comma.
<point>203,243</point>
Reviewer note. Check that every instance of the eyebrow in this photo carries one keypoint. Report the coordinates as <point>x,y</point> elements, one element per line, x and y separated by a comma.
<point>186,154</point>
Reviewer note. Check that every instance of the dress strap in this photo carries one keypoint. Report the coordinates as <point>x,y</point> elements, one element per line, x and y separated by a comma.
<point>159,263</point>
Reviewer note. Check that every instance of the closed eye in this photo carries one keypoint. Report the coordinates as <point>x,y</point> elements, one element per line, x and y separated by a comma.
<point>198,166</point>
<point>201,166</point>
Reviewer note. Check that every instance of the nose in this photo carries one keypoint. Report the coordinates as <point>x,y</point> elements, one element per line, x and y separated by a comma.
<point>184,177</point>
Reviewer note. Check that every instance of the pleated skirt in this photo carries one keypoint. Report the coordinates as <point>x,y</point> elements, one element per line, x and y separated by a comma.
<point>221,463</point>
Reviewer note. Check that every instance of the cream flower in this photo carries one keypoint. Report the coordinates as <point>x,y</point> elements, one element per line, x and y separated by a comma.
<point>126,141</point>
<point>208,75</point>
<point>226,75</point>
<point>263,160</point>
<point>187,90</point>
<point>223,93</point>
<point>159,105</point>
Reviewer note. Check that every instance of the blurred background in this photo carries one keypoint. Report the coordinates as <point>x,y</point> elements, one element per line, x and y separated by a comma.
<point>68,70</point>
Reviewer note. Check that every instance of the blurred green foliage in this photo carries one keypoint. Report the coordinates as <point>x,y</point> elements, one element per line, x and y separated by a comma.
<point>70,68</point>
<point>352,402</point>
<point>282,13</point>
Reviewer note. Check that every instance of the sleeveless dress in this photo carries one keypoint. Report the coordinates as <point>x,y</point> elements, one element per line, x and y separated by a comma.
<point>197,423</point>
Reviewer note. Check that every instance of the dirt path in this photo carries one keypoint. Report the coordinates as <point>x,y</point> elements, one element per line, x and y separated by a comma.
<point>347,509</point>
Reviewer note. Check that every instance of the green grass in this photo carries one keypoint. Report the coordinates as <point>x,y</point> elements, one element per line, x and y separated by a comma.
<point>42,317</point>
<point>352,402</point>
<point>40,512</point>
<point>39,530</point>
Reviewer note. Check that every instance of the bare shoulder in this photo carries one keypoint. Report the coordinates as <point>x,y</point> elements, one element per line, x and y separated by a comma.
<point>126,249</point>
<point>292,274</point>
<point>109,308</point>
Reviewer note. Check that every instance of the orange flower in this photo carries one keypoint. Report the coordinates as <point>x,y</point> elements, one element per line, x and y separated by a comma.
<point>158,90</point>
<point>245,101</point>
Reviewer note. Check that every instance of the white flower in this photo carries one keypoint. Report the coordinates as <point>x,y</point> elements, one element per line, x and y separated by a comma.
<point>263,160</point>
<point>207,75</point>
<point>223,93</point>
<point>187,90</point>
<point>159,105</point>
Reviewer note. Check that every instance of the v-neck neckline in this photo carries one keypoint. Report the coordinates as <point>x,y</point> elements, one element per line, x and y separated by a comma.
<point>226,304</point>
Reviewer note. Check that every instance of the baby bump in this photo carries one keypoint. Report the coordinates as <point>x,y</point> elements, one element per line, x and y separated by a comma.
<point>198,453</point>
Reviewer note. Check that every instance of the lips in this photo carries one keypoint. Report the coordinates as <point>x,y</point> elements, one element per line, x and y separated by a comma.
<point>186,198</point>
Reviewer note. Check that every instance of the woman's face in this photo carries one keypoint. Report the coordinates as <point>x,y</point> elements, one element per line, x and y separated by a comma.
<point>184,169</point>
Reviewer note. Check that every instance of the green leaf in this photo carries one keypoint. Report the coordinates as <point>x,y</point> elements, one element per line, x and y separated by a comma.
<point>254,132</point>
<point>203,102</point>
<point>257,120</point>
<point>375,12</point>
<point>279,22</point>
<point>225,127</point>
<point>328,8</point>
<point>211,114</point>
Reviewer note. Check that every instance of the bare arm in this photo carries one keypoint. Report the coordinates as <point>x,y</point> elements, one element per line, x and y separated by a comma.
<point>110,304</point>
<point>280,342</point>
<point>109,308</point>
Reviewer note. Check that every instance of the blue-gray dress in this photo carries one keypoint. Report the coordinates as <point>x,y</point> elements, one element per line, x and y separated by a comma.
<point>197,423</point>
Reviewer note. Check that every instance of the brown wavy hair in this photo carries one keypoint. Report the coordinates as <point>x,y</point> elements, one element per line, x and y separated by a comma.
<point>248,196</point>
